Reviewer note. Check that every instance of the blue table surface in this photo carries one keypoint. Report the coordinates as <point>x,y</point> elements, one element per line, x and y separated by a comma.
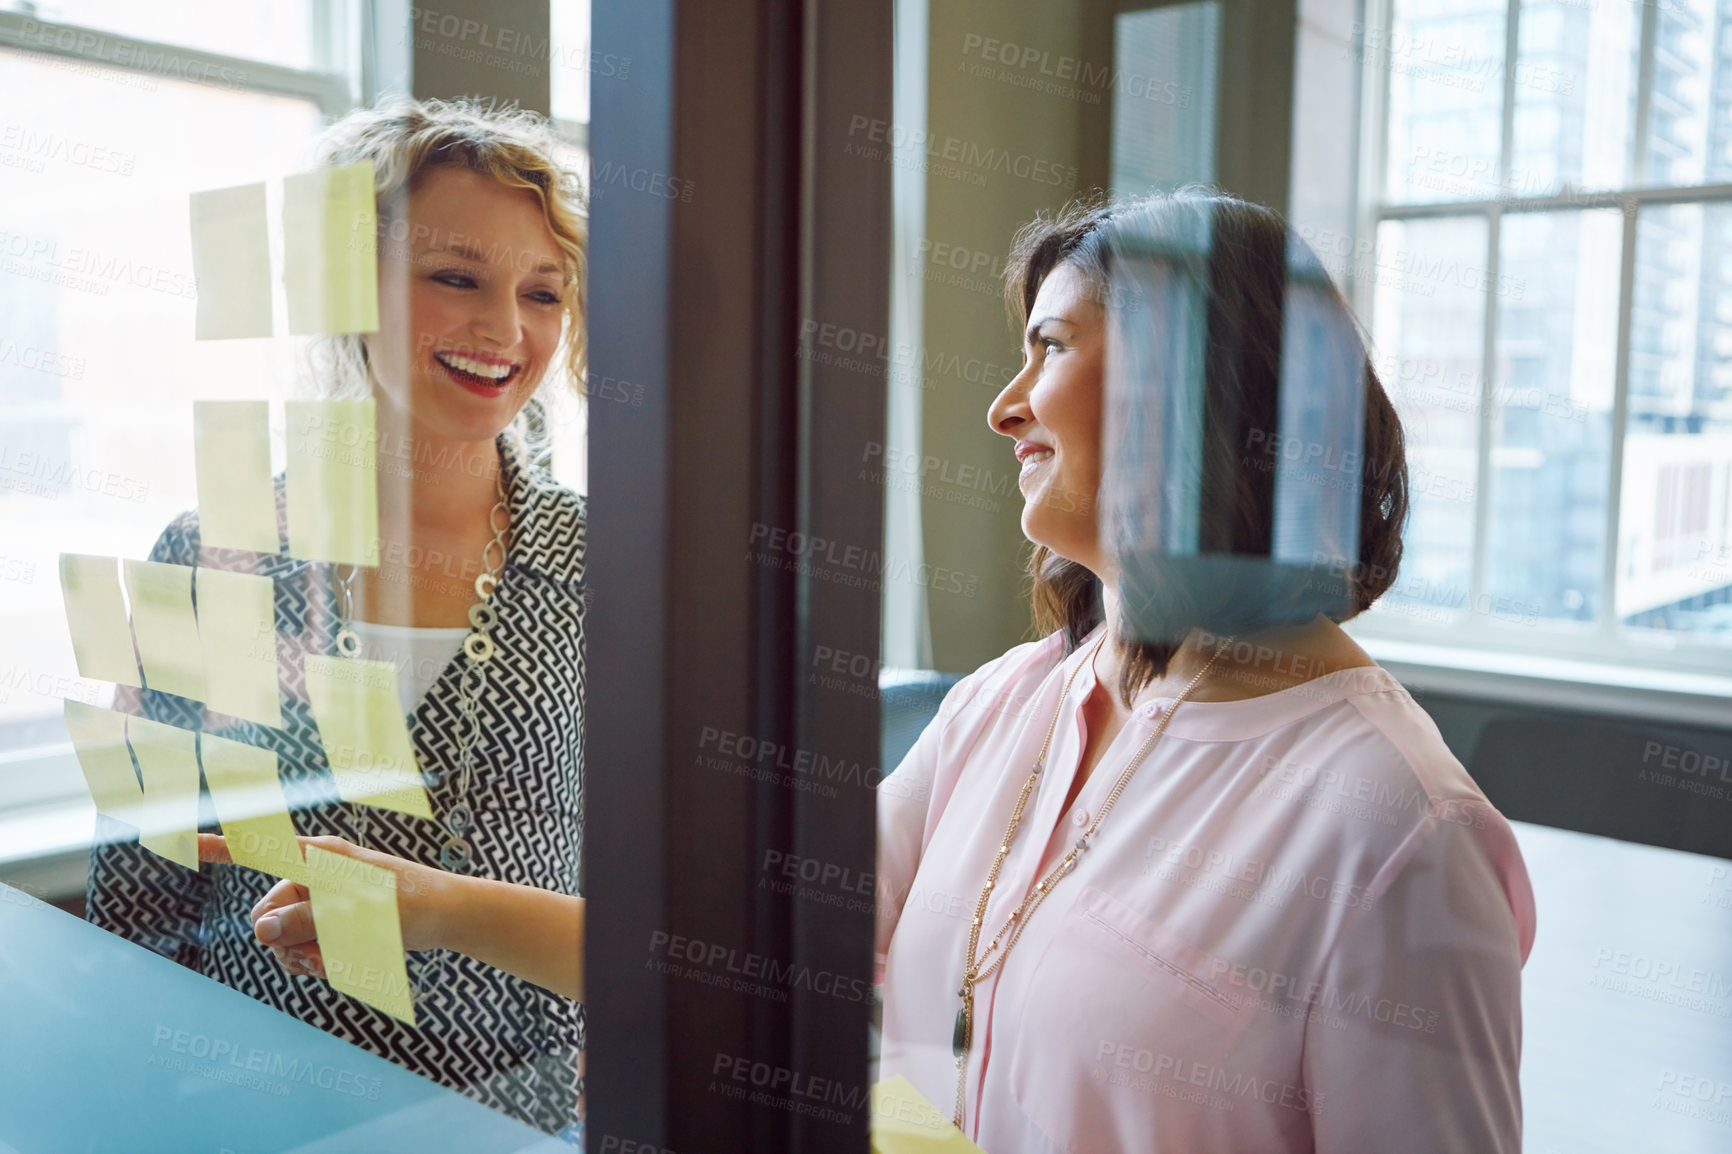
<point>105,1046</point>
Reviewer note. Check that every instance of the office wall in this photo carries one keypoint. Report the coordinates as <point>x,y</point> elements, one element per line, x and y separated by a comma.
<point>1001,148</point>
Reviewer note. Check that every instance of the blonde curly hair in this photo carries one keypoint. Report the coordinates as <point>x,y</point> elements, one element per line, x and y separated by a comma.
<point>406,138</point>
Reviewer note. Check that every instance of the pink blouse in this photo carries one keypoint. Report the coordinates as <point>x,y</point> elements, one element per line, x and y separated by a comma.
<point>1301,928</point>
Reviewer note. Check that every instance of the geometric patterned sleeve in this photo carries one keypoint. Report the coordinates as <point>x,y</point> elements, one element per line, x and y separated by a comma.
<point>132,892</point>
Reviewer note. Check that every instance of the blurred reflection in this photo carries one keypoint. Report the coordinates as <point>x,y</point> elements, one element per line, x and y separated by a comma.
<point>475,605</point>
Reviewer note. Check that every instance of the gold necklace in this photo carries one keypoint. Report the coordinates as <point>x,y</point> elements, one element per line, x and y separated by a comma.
<point>978,969</point>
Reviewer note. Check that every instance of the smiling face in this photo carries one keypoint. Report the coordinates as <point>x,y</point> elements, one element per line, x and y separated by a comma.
<point>470,309</point>
<point>1052,410</point>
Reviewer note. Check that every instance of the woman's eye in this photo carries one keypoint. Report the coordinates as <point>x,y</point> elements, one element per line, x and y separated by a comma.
<point>455,279</point>
<point>543,296</point>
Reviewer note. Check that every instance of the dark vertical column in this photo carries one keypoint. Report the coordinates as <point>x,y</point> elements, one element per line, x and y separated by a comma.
<point>720,991</point>
<point>847,237</point>
<point>1241,406</point>
<point>627,742</point>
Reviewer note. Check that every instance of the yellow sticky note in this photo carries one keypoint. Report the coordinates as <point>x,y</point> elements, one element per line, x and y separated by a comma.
<point>166,629</point>
<point>237,502</point>
<point>96,617</point>
<point>330,246</point>
<point>248,796</point>
<point>99,740</point>
<point>360,938</point>
<point>904,1122</point>
<point>365,737</point>
<point>231,259</point>
<point>168,763</point>
<point>237,628</point>
<point>332,482</point>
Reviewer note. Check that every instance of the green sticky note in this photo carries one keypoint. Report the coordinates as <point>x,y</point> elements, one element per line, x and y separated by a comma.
<point>231,259</point>
<point>166,628</point>
<point>360,937</point>
<point>237,628</point>
<point>365,737</point>
<point>904,1122</point>
<point>99,740</point>
<point>96,617</point>
<point>248,797</point>
<point>168,763</point>
<point>237,502</point>
<point>330,250</point>
<point>332,483</point>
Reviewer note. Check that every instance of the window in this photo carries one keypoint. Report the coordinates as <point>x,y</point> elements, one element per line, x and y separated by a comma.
<point>97,292</point>
<point>1545,265</point>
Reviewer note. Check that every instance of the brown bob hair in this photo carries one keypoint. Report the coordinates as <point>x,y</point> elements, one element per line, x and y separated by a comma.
<point>1250,247</point>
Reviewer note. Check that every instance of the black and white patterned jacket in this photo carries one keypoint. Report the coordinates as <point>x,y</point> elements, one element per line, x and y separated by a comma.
<point>496,1038</point>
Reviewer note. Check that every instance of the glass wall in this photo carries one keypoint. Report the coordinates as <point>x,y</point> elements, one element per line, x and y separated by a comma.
<point>293,575</point>
<point>801,475</point>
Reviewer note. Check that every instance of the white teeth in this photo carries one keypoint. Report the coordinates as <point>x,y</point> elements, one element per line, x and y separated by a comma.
<point>1043,455</point>
<point>476,368</point>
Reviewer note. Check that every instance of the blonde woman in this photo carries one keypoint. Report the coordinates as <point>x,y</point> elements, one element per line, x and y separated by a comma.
<point>477,600</point>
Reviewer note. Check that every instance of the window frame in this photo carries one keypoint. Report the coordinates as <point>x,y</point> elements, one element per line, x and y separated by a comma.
<point>1601,654</point>
<point>331,85</point>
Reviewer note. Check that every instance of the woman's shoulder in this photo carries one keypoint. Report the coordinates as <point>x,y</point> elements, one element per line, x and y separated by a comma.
<point>1004,684</point>
<point>552,529</point>
<point>1384,776</point>
<point>1404,746</point>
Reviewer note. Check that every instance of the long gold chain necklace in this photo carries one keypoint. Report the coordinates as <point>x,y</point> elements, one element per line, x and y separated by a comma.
<point>978,969</point>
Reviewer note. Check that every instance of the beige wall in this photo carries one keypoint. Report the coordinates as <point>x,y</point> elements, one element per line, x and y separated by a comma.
<point>986,122</point>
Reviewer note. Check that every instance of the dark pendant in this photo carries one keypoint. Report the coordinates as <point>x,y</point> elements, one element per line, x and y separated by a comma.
<point>959,1036</point>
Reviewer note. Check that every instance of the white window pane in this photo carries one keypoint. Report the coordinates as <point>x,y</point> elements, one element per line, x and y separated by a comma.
<point>1445,64</point>
<point>1429,333</point>
<point>275,31</point>
<point>1557,302</point>
<point>1682,124</point>
<point>1675,524</point>
<point>570,73</point>
<point>98,367</point>
<point>1575,97</point>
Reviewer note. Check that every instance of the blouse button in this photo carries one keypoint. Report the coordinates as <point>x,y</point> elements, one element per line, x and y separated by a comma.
<point>1152,709</point>
<point>1079,817</point>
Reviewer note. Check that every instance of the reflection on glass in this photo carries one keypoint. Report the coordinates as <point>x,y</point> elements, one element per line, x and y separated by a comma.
<point>1557,305</point>
<point>1675,523</point>
<point>1445,62</point>
<point>1429,337</point>
<point>1575,97</point>
<point>1164,104</point>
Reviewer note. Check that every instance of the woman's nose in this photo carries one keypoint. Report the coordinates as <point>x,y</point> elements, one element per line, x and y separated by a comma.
<point>1009,410</point>
<point>498,321</point>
